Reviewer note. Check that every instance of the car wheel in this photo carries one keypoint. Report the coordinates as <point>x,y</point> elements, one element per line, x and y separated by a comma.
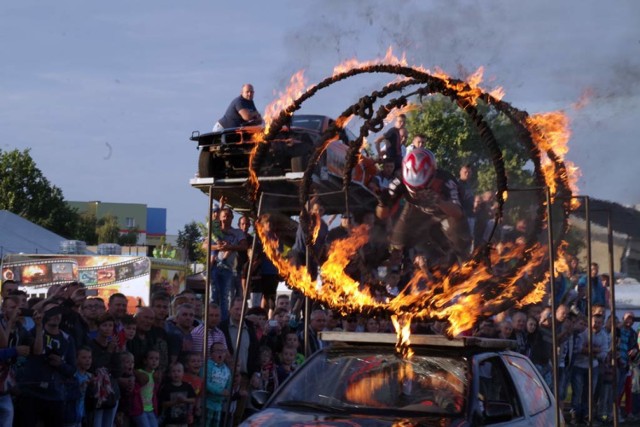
<point>205,164</point>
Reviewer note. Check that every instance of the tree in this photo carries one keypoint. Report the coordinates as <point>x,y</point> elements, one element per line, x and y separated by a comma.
<point>86,229</point>
<point>455,141</point>
<point>190,239</point>
<point>108,229</point>
<point>26,192</point>
<point>130,238</point>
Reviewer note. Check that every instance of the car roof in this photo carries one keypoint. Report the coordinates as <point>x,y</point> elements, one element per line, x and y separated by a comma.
<point>466,345</point>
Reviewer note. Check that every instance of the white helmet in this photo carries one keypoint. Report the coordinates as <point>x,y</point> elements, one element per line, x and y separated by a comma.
<point>418,167</point>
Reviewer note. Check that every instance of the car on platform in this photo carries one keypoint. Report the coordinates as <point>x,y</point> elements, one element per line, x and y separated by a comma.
<point>224,163</point>
<point>360,380</point>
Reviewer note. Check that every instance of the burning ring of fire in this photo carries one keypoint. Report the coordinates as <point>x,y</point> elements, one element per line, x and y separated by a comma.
<point>468,291</point>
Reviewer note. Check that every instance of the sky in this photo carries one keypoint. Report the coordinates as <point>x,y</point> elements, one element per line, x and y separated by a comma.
<point>106,95</point>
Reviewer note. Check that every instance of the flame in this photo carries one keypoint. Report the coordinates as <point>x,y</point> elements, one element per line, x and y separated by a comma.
<point>467,291</point>
<point>350,64</point>
<point>402,325</point>
<point>317,222</point>
<point>585,99</point>
<point>295,89</point>
<point>550,131</point>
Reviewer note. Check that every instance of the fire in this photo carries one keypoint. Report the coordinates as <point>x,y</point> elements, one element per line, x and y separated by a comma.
<point>350,64</point>
<point>296,87</point>
<point>470,88</point>
<point>585,99</point>
<point>317,221</point>
<point>466,291</point>
<point>402,325</point>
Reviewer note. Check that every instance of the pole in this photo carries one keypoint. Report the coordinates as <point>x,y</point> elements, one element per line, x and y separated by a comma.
<point>227,420</point>
<point>554,336</point>
<point>587,217</point>
<point>207,299</point>
<point>612,281</point>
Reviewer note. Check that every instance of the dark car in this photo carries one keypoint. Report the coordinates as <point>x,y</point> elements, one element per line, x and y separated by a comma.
<point>359,380</point>
<point>223,165</point>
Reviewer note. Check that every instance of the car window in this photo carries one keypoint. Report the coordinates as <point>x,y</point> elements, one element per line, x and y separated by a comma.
<point>495,385</point>
<point>357,381</point>
<point>528,381</point>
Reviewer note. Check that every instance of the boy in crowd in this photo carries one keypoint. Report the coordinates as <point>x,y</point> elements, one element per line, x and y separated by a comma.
<point>176,399</point>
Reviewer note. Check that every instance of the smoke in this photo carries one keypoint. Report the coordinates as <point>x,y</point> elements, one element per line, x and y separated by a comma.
<point>547,56</point>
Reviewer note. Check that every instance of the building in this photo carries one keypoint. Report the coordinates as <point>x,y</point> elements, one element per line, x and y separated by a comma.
<point>150,223</point>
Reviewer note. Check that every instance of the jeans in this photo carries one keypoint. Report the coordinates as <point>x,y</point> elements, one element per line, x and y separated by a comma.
<point>147,419</point>
<point>6,410</point>
<point>222,286</point>
<point>579,390</point>
<point>104,417</point>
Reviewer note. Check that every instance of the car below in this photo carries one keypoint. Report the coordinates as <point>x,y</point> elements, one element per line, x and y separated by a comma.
<point>360,380</point>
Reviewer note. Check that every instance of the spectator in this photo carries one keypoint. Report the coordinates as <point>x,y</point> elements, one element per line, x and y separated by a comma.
<point>105,367</point>
<point>224,253</point>
<point>176,398</point>
<point>248,357</point>
<point>287,364</point>
<point>126,383</point>
<point>598,293</point>
<point>76,390</point>
<point>317,323</point>
<point>7,287</point>
<point>383,178</point>
<point>419,141</point>
<point>192,365</point>
<point>241,112</point>
<point>215,334</point>
<point>145,392</point>
<point>55,360</point>
<point>182,325</point>
<point>218,384</point>
<point>393,142</point>
<point>92,309</point>
<point>118,308</point>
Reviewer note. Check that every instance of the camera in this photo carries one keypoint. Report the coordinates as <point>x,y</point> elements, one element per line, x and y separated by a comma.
<point>26,312</point>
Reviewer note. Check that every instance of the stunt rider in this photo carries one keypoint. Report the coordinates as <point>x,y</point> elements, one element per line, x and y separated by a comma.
<point>432,220</point>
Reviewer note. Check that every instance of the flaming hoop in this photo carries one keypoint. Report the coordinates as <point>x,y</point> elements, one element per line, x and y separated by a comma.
<point>467,291</point>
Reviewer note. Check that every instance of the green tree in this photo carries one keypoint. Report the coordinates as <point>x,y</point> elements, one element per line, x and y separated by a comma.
<point>25,191</point>
<point>86,228</point>
<point>455,141</point>
<point>130,238</point>
<point>108,229</point>
<point>190,239</point>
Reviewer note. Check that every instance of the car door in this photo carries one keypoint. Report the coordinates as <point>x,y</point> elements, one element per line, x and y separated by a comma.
<point>497,401</point>
<point>538,400</point>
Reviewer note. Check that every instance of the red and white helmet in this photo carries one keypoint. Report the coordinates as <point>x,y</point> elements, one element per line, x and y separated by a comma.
<point>418,167</point>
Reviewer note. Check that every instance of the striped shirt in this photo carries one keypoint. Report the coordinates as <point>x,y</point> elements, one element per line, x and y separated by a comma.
<point>215,335</point>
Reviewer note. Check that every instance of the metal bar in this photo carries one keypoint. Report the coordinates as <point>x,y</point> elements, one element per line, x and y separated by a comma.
<point>614,360</point>
<point>236,353</point>
<point>207,299</point>
<point>589,310</point>
<point>554,336</point>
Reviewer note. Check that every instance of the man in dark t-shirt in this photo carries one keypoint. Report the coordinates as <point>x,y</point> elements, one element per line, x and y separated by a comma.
<point>241,112</point>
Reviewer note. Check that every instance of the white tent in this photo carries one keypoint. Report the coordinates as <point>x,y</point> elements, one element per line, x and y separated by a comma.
<point>18,235</point>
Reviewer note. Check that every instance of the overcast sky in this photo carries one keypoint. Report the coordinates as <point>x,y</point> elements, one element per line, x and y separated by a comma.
<point>106,95</point>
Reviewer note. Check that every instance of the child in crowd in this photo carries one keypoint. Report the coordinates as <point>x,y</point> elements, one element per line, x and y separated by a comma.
<point>192,366</point>
<point>291,340</point>
<point>266,379</point>
<point>218,384</point>
<point>127,382</point>
<point>176,398</point>
<point>145,391</point>
<point>129,325</point>
<point>287,363</point>
<point>75,411</point>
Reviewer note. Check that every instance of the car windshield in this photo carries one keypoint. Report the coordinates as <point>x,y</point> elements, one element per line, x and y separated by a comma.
<point>362,382</point>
